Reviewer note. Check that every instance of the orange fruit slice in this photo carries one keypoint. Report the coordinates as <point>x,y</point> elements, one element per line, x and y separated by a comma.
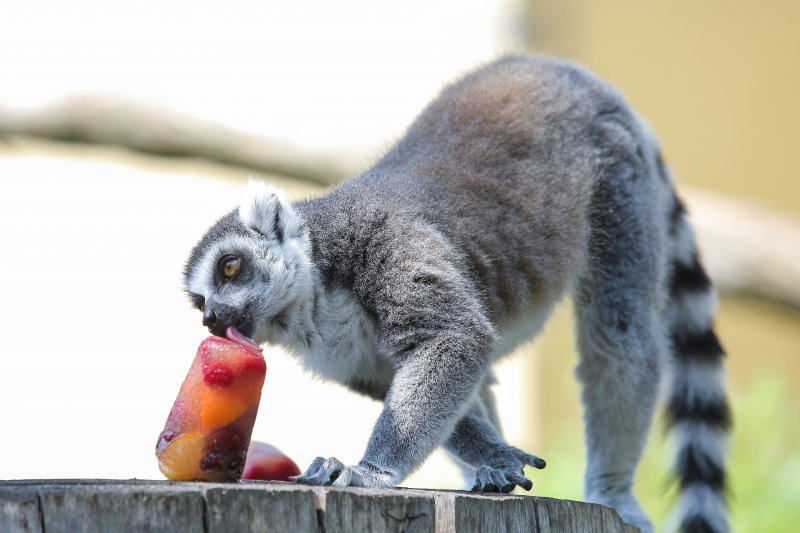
<point>180,461</point>
<point>220,407</point>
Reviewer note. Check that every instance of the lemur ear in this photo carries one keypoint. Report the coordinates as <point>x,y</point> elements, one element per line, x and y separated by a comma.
<point>266,211</point>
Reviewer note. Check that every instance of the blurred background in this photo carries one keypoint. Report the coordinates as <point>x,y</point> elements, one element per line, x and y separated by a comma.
<point>126,130</point>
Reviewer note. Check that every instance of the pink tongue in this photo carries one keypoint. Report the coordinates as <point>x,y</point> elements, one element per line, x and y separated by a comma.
<point>236,336</point>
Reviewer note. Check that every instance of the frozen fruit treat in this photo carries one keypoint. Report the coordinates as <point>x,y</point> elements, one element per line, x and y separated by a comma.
<point>208,429</point>
<point>265,462</point>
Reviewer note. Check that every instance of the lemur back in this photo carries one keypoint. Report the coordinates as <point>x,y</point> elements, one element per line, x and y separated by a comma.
<point>525,180</point>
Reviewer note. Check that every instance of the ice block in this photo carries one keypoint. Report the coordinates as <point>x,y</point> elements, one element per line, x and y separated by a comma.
<point>267,463</point>
<point>208,429</point>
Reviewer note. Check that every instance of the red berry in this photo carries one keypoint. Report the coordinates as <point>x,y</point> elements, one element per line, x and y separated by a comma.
<point>217,374</point>
<point>226,440</point>
<point>254,364</point>
<point>212,461</point>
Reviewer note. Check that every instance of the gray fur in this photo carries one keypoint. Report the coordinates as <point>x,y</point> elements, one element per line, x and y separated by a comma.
<point>523,181</point>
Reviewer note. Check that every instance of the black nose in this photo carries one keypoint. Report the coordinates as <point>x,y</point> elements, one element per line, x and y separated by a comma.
<point>209,318</point>
<point>218,316</point>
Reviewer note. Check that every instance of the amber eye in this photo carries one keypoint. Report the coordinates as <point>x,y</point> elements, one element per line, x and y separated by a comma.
<point>230,266</point>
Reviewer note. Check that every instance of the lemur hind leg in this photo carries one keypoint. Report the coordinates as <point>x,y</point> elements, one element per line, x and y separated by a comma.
<point>478,446</point>
<point>619,373</point>
<point>621,337</point>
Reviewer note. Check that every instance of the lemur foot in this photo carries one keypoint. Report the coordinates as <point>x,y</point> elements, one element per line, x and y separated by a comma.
<point>505,471</point>
<point>627,507</point>
<point>333,472</point>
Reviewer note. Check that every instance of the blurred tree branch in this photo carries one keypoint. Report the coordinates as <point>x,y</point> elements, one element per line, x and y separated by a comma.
<point>107,120</point>
<point>747,248</point>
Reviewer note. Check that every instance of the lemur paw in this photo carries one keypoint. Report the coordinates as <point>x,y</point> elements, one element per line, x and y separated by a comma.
<point>505,471</point>
<point>636,519</point>
<point>333,472</point>
<point>627,507</point>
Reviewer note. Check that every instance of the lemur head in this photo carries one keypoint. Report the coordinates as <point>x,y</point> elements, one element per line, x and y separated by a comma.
<point>252,268</point>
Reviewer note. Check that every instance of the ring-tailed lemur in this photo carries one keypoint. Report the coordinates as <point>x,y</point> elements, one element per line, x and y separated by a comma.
<point>524,180</point>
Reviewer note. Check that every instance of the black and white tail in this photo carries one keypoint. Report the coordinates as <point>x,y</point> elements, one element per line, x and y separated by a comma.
<point>698,412</point>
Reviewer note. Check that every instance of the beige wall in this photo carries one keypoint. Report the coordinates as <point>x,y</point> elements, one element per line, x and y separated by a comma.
<point>718,81</point>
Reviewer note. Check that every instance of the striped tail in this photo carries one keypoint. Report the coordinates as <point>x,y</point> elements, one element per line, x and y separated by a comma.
<point>698,412</point>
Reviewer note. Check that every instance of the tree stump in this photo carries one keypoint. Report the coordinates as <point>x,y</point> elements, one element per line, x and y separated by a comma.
<point>91,505</point>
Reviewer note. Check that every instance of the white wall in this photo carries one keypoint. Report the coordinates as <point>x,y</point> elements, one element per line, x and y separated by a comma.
<point>95,333</point>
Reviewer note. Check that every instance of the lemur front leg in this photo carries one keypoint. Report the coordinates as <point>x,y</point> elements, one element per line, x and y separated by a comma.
<point>499,466</point>
<point>430,320</point>
<point>433,386</point>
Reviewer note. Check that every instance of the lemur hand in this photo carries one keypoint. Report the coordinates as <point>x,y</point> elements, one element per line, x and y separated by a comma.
<point>333,472</point>
<point>504,471</point>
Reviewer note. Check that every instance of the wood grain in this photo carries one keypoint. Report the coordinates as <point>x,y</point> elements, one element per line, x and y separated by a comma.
<point>90,505</point>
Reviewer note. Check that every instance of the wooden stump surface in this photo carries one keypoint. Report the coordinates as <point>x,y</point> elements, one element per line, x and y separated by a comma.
<point>91,505</point>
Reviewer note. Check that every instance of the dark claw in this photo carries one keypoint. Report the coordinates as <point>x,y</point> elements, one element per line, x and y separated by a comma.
<point>501,482</point>
<point>490,487</point>
<point>521,480</point>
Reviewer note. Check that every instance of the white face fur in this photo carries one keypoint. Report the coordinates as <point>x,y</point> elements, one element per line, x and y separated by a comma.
<point>273,279</point>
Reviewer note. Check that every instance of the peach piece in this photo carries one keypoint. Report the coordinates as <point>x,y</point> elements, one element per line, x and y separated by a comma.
<point>267,463</point>
<point>181,459</point>
<point>218,408</point>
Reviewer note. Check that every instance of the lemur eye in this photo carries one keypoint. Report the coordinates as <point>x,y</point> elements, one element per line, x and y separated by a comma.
<point>229,266</point>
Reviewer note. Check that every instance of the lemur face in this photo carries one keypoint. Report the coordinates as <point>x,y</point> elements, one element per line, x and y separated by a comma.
<point>250,267</point>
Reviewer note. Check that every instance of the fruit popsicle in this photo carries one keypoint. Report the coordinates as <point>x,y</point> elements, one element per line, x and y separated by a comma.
<point>208,429</point>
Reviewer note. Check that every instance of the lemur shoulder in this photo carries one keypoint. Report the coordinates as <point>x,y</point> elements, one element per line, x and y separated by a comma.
<point>525,180</point>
